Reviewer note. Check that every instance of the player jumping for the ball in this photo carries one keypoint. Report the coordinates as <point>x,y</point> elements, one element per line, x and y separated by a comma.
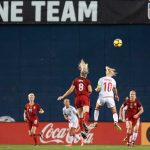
<point>70,114</point>
<point>83,89</point>
<point>133,109</point>
<point>107,89</point>
<point>30,116</point>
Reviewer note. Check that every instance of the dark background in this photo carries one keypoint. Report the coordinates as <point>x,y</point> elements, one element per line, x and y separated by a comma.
<point>43,59</point>
<point>109,12</point>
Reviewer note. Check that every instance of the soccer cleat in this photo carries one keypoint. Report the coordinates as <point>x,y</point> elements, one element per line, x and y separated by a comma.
<point>41,135</point>
<point>133,143</point>
<point>117,126</point>
<point>92,126</point>
<point>83,134</point>
<point>85,127</point>
<point>128,144</point>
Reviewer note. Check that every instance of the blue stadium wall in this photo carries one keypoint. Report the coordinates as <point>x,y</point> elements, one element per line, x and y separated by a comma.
<point>43,60</point>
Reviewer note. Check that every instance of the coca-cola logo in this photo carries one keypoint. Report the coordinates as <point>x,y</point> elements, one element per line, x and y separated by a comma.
<point>60,135</point>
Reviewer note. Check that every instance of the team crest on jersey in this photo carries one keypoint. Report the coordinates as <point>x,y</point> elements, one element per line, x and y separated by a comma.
<point>134,104</point>
<point>34,107</point>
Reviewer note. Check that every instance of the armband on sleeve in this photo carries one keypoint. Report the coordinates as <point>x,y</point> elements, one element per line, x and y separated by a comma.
<point>98,86</point>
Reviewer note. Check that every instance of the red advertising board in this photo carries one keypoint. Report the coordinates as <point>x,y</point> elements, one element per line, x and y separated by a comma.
<point>58,133</point>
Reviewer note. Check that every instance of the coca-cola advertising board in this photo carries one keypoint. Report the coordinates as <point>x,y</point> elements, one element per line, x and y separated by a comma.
<point>58,133</point>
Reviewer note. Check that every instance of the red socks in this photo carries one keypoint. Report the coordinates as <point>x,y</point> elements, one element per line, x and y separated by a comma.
<point>34,138</point>
<point>129,137</point>
<point>86,117</point>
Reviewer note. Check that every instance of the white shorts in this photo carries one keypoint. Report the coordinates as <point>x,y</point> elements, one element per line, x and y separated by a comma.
<point>108,100</point>
<point>74,124</point>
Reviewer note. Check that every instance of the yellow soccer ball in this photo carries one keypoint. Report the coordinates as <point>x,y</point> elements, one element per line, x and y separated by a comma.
<point>118,43</point>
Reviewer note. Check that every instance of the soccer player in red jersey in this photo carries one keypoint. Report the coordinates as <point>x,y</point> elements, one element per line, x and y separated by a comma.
<point>133,110</point>
<point>83,89</point>
<point>30,116</point>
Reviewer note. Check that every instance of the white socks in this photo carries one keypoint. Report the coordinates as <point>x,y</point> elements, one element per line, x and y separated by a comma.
<point>96,115</point>
<point>115,117</point>
<point>77,137</point>
<point>70,139</point>
<point>134,136</point>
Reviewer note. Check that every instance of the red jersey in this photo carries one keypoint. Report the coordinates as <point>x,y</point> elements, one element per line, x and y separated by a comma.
<point>31,111</point>
<point>81,86</point>
<point>132,107</point>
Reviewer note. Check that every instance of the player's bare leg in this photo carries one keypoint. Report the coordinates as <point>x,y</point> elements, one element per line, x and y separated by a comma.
<point>135,132</point>
<point>129,132</point>
<point>86,117</point>
<point>125,140</point>
<point>33,131</point>
<point>71,136</point>
<point>96,114</point>
<point>80,115</point>
<point>76,136</point>
<point>115,117</point>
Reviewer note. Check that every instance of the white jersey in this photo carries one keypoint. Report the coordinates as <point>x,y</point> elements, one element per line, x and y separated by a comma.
<point>71,112</point>
<point>106,85</point>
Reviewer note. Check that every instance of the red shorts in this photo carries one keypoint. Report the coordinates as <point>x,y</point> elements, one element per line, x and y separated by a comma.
<point>33,123</point>
<point>81,101</point>
<point>133,120</point>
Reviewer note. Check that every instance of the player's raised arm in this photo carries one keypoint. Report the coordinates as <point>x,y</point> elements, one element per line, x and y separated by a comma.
<point>71,89</point>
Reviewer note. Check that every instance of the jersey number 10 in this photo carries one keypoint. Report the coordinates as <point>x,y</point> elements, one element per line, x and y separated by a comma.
<point>107,86</point>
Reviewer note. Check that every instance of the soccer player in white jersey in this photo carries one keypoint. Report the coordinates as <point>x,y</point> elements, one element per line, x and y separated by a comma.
<point>107,90</point>
<point>70,114</point>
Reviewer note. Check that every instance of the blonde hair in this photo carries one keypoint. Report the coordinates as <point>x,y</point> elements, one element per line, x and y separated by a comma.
<point>83,67</point>
<point>66,99</point>
<point>110,71</point>
<point>31,94</point>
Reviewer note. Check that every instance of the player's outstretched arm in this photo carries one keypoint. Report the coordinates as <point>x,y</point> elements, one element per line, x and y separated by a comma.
<point>71,89</point>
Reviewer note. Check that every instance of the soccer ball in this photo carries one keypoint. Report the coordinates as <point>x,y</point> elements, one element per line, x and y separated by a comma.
<point>118,43</point>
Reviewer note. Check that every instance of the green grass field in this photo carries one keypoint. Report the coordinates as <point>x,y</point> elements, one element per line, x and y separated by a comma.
<point>63,147</point>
